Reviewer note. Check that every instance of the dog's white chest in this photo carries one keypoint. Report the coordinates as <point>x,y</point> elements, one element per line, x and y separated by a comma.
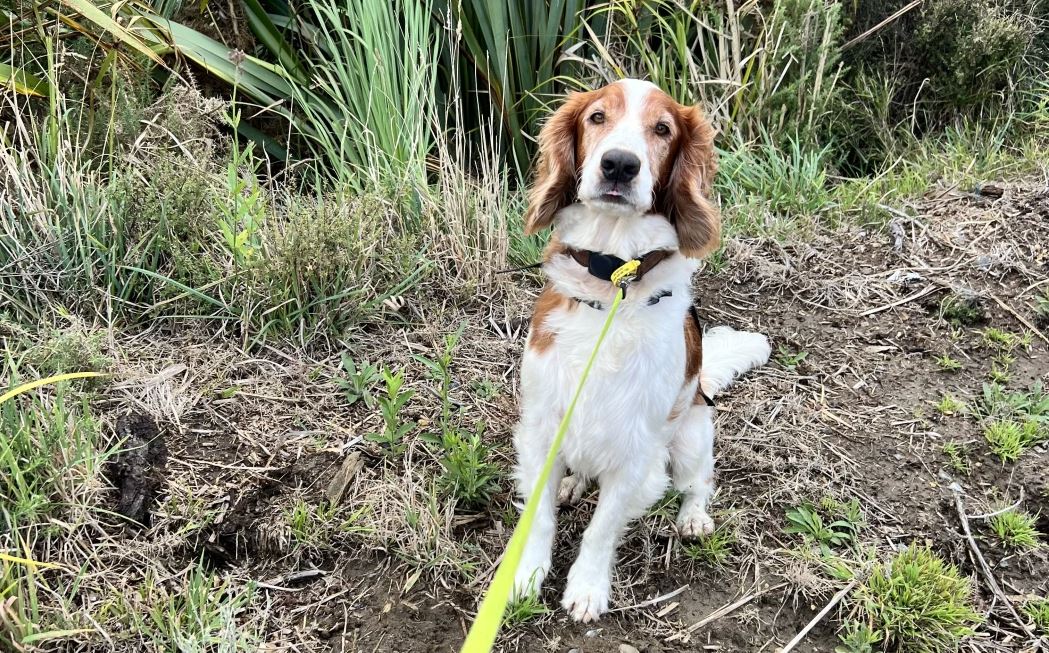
<point>622,410</point>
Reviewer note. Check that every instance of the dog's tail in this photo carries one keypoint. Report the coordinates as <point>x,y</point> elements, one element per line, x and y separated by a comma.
<point>727,353</point>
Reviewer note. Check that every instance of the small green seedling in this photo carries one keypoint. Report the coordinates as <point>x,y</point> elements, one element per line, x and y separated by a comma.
<point>789,360</point>
<point>948,364</point>
<point>440,369</point>
<point>468,473</point>
<point>485,388</point>
<point>1041,309</point>
<point>857,637</point>
<point>359,381</point>
<point>1030,405</point>
<point>805,520</point>
<point>961,310</point>
<point>958,456</point>
<point>949,405</point>
<point>391,438</point>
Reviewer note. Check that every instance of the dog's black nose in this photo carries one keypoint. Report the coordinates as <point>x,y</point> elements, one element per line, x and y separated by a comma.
<point>620,165</point>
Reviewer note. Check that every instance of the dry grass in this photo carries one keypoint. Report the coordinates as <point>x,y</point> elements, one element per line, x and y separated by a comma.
<point>255,439</point>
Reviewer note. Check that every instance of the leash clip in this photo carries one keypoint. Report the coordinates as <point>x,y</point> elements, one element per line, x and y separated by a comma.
<point>625,274</point>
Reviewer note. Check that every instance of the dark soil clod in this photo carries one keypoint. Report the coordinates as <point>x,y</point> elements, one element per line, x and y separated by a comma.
<point>139,470</point>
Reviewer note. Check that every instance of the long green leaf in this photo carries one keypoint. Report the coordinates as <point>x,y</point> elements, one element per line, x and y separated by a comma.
<point>89,10</point>
<point>261,80</point>
<point>19,81</point>
<point>270,36</point>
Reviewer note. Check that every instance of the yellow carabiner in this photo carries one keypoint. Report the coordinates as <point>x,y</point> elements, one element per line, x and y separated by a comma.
<point>626,273</point>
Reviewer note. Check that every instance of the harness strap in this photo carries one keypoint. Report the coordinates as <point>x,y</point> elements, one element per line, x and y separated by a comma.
<point>652,301</point>
<point>699,327</point>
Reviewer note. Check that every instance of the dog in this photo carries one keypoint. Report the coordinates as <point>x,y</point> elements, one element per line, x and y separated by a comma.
<point>624,172</point>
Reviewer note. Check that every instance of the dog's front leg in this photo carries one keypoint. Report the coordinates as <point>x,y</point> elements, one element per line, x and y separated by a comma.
<point>532,440</point>
<point>624,496</point>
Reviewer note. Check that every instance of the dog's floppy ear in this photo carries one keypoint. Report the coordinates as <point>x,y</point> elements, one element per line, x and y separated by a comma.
<point>684,198</point>
<point>557,170</point>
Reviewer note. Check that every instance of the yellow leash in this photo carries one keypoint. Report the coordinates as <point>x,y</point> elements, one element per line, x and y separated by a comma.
<point>490,615</point>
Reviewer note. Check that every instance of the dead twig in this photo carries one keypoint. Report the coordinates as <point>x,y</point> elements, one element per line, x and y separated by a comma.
<point>880,25</point>
<point>723,611</point>
<point>1022,319</point>
<point>992,583</point>
<point>1002,510</point>
<point>819,617</point>
<point>909,298</point>
<point>658,599</point>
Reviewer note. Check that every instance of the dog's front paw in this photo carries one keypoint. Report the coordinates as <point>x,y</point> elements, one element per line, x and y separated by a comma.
<point>694,523</point>
<point>572,489</point>
<point>585,600</point>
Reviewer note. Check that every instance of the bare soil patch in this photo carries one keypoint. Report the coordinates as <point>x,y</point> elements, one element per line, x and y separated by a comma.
<point>254,442</point>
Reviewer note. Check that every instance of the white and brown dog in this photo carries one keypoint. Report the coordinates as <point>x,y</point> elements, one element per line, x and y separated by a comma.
<point>624,173</point>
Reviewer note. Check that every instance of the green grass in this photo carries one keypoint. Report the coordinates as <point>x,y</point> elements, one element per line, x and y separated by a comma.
<point>713,550</point>
<point>49,463</point>
<point>949,405</point>
<point>202,612</point>
<point>957,456</point>
<point>999,339</point>
<point>948,364</point>
<point>1009,440</point>
<point>918,602</point>
<point>1006,440</point>
<point>1037,610</point>
<point>523,610</point>
<point>1015,529</point>
<point>48,456</point>
<point>773,190</point>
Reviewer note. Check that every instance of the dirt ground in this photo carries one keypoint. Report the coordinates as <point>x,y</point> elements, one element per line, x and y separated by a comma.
<point>250,439</point>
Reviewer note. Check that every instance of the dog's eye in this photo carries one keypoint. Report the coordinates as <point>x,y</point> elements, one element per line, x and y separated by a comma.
<point>662,128</point>
<point>597,117</point>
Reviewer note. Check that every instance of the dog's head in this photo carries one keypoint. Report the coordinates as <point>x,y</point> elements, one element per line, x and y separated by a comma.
<point>629,148</point>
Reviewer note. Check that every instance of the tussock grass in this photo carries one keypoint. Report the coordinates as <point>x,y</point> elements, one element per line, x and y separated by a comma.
<point>918,602</point>
<point>1015,529</point>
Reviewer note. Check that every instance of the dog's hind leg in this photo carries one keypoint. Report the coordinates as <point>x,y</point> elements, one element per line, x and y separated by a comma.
<point>692,464</point>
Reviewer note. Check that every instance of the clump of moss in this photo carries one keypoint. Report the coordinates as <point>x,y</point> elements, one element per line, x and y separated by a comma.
<point>962,309</point>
